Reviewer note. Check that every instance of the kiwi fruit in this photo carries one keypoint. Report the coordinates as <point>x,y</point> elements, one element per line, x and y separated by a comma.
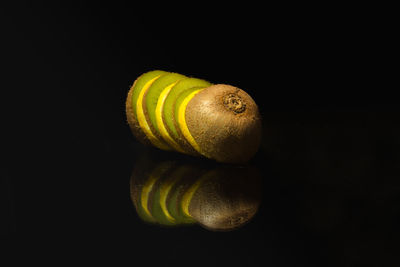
<point>153,106</point>
<point>158,208</point>
<point>183,134</point>
<point>138,180</point>
<point>193,116</point>
<point>143,182</point>
<point>135,113</point>
<point>224,122</point>
<point>169,107</point>
<point>163,202</point>
<point>226,198</point>
<point>216,197</point>
<point>183,176</point>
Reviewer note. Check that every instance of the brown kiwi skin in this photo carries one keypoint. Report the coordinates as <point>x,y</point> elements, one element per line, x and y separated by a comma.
<point>225,122</point>
<point>132,121</point>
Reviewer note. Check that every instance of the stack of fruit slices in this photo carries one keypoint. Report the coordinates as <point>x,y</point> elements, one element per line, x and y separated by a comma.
<point>169,193</point>
<point>173,112</point>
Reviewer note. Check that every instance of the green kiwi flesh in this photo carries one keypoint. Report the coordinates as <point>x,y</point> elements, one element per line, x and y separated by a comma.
<point>139,83</point>
<point>184,175</point>
<point>151,97</point>
<point>180,138</point>
<point>168,111</point>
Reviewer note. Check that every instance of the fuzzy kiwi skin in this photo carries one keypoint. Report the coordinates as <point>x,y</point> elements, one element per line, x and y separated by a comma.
<point>225,123</point>
<point>130,105</point>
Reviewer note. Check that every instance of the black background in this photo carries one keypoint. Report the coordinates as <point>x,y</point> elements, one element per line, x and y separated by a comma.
<point>323,80</point>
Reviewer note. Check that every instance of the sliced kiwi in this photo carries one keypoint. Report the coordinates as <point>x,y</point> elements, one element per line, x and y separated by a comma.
<point>143,215</point>
<point>175,209</point>
<point>138,180</point>
<point>158,212</point>
<point>148,190</point>
<point>168,111</point>
<point>166,188</point>
<point>220,122</point>
<point>162,189</point>
<point>175,193</point>
<point>134,109</point>
<point>175,199</point>
<point>153,105</point>
<point>190,192</point>
<point>139,84</point>
<point>184,176</point>
<point>183,138</point>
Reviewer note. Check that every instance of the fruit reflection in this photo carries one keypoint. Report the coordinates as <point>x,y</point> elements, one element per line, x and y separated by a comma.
<point>177,193</point>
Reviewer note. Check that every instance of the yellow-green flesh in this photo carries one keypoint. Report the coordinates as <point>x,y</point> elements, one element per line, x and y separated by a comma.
<point>181,86</point>
<point>140,82</point>
<point>153,93</point>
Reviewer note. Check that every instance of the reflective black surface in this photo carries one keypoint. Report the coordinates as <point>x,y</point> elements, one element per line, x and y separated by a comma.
<point>330,196</point>
<point>174,191</point>
<point>329,163</point>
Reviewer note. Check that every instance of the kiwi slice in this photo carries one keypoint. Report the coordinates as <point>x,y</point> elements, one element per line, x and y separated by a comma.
<point>184,138</point>
<point>189,193</point>
<point>165,191</point>
<point>148,191</point>
<point>137,181</point>
<point>168,111</point>
<point>153,104</point>
<point>175,209</point>
<point>157,209</point>
<point>161,197</point>
<point>134,109</point>
<point>184,176</point>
